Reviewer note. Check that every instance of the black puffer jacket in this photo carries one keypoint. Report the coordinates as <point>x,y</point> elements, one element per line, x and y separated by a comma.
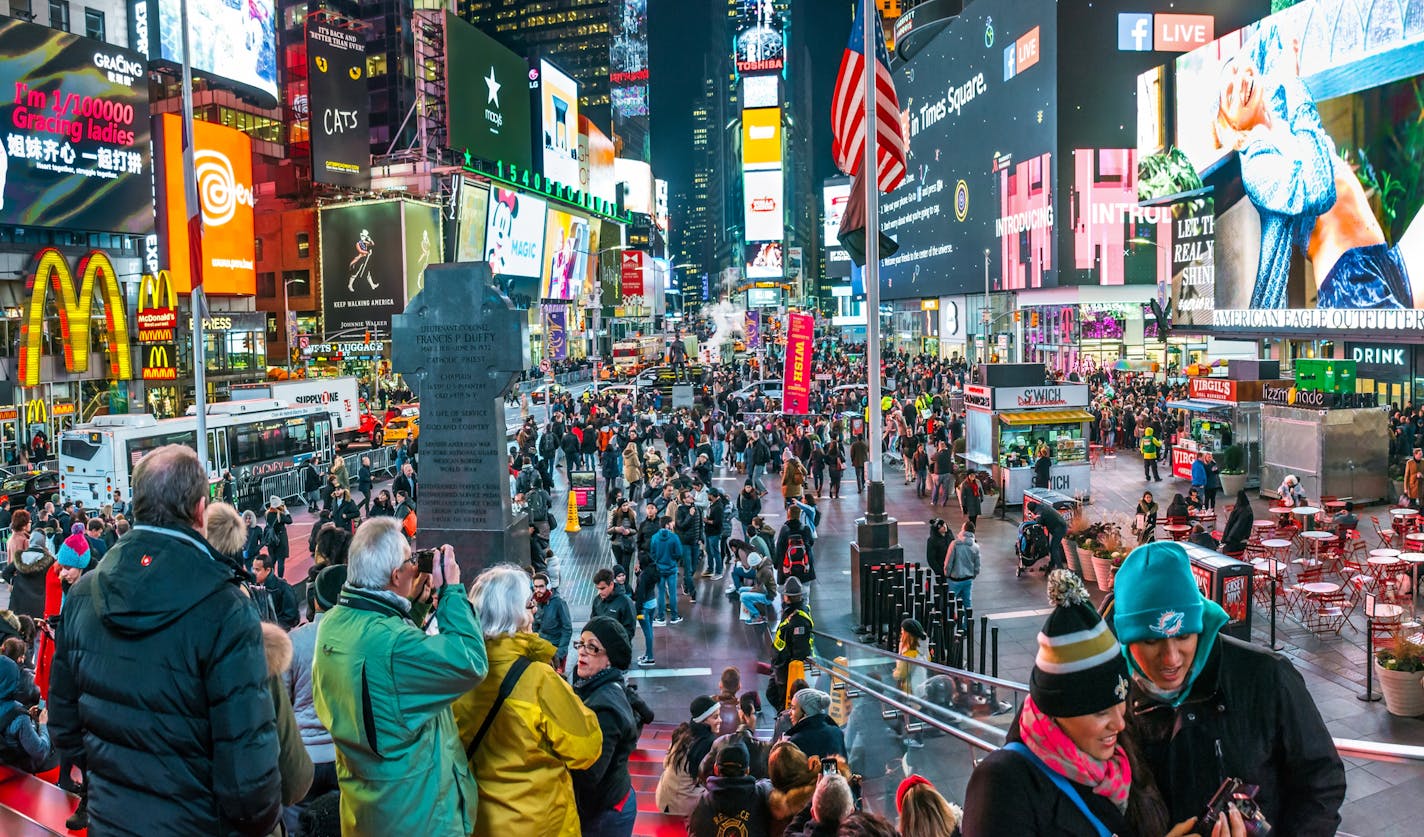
<point>160,678</point>
<point>606,784</point>
<point>1252,707</point>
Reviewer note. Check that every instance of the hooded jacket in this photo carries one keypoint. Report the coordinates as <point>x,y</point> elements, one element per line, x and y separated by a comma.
<point>818,735</point>
<point>193,750</point>
<point>294,763</point>
<point>667,549</point>
<point>730,804</point>
<point>606,784</point>
<point>27,591</point>
<point>541,733</point>
<point>963,560</point>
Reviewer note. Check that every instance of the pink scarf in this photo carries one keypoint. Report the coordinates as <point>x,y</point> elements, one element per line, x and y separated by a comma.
<point>1048,741</point>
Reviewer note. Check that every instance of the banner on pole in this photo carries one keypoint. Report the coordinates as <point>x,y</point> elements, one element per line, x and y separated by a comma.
<point>800,337</point>
<point>753,330</point>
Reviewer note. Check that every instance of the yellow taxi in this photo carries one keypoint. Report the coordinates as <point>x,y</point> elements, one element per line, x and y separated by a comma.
<point>402,427</point>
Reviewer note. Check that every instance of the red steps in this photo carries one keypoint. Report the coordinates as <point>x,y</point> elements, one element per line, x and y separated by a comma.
<point>645,766</point>
<point>32,807</point>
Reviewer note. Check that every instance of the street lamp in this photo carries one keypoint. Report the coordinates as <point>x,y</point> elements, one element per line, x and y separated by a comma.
<point>290,321</point>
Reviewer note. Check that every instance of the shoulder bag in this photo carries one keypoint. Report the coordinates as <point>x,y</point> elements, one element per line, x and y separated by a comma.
<point>506,688</point>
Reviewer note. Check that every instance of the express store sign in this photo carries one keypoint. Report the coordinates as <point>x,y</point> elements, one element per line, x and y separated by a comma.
<point>1212,389</point>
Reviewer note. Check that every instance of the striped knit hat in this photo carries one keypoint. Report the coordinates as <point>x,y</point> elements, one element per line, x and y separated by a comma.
<point>1079,669</point>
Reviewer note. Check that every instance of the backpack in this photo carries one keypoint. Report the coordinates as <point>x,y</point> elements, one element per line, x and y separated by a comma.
<point>538,506</point>
<point>408,524</point>
<point>797,563</point>
<point>273,538</point>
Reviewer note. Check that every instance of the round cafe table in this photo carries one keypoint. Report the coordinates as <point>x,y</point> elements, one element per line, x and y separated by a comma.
<point>1318,540</point>
<point>1334,505</point>
<point>1320,588</point>
<point>1403,512</point>
<point>1392,554</point>
<point>1415,539</point>
<point>1262,524</point>
<point>1307,516</point>
<point>1282,513</point>
<point>1178,531</point>
<point>1413,559</point>
<point>1267,567</point>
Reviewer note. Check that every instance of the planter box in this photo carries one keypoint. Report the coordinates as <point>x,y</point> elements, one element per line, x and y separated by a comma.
<point>1403,691</point>
<point>1103,570</point>
<point>1083,566</point>
<point>1231,484</point>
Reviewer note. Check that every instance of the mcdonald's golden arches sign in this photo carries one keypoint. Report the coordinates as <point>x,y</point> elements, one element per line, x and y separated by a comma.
<point>36,412</point>
<point>158,363</point>
<point>157,308</point>
<point>51,272</point>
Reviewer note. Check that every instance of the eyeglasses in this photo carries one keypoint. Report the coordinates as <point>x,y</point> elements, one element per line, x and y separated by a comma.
<point>589,647</point>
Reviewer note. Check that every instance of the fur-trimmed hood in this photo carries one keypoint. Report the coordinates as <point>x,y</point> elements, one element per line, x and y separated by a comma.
<point>278,648</point>
<point>787,804</point>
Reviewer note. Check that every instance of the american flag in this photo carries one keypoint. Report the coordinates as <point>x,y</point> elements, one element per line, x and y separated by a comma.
<point>848,110</point>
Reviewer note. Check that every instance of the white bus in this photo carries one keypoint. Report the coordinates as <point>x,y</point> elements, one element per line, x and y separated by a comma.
<point>253,439</point>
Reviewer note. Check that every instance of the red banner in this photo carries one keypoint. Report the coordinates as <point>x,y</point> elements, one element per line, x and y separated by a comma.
<point>796,388</point>
<point>631,275</point>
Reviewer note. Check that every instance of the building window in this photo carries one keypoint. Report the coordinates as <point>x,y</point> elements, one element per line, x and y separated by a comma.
<point>94,24</point>
<point>303,245</point>
<point>22,9</point>
<point>59,14</point>
<point>267,285</point>
<point>257,249</point>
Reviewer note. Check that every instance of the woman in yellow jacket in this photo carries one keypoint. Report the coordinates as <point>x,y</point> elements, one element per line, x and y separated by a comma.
<point>540,733</point>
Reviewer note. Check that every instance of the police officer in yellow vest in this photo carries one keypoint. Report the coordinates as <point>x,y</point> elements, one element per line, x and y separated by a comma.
<point>1150,448</point>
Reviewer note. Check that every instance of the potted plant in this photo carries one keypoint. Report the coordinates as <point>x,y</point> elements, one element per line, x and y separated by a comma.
<point>1399,669</point>
<point>1079,543</point>
<point>1107,557</point>
<point>1233,470</point>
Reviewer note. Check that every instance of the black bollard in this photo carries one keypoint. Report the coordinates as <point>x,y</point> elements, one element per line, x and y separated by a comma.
<point>994,656</point>
<point>983,643</point>
<point>969,645</point>
<point>1369,696</point>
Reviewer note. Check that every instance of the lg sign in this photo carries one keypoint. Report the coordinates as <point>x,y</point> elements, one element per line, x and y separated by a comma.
<point>1163,32</point>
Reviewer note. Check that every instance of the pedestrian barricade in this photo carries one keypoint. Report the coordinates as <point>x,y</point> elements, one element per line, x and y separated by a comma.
<point>891,593</point>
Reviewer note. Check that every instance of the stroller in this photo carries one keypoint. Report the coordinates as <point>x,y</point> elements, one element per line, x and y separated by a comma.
<point>1032,545</point>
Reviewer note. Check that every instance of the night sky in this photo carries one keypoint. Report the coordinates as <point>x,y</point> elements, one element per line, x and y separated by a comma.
<point>676,78</point>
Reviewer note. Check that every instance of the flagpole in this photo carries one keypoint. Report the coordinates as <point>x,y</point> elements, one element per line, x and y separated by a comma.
<point>194,215</point>
<point>872,263</point>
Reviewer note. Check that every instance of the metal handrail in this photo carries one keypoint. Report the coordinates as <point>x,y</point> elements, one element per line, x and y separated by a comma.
<point>869,687</point>
<point>1354,748</point>
<point>932,666</point>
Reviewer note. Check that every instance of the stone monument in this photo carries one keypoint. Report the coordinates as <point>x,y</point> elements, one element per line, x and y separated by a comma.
<point>460,345</point>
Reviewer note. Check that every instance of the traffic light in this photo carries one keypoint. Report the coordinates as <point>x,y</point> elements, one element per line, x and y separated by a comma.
<point>1033,319</point>
<point>1018,316</point>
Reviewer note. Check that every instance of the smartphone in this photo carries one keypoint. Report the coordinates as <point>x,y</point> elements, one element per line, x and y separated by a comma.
<point>425,561</point>
<point>828,765</point>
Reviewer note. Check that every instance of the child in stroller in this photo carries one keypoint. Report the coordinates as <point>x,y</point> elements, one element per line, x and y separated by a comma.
<point>1031,546</point>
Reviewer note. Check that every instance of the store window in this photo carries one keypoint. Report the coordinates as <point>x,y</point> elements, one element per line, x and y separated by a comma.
<point>303,245</point>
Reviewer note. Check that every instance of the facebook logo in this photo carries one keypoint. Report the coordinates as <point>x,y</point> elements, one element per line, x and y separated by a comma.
<point>1134,32</point>
<point>1011,63</point>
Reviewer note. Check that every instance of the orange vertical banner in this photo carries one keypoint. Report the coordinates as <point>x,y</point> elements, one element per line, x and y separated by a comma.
<point>800,338</point>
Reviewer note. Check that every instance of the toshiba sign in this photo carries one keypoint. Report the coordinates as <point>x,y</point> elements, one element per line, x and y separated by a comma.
<point>1212,389</point>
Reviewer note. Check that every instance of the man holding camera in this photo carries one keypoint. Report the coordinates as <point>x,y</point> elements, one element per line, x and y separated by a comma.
<point>1207,708</point>
<point>384,688</point>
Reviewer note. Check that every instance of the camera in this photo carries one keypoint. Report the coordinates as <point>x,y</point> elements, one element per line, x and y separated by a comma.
<point>425,561</point>
<point>1235,792</point>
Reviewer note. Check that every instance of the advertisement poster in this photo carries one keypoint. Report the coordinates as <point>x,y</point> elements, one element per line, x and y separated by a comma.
<point>601,180</point>
<point>565,256</point>
<point>558,96</point>
<point>514,235</point>
<point>223,160</point>
<point>979,109</point>
<point>423,244</point>
<point>764,192</point>
<point>632,267</point>
<point>764,260</point>
<point>1193,263</point>
<point>761,138</point>
<point>834,197</point>
<point>628,58</point>
<point>556,334</point>
<point>76,132</point>
<point>800,338</point>
<point>1307,123</point>
<point>487,99</point>
<point>362,267</point>
<point>238,41</point>
<point>591,290</point>
<point>339,108</point>
<point>752,328</point>
<point>758,40</point>
<point>471,214</point>
<point>638,175</point>
<point>1112,240</point>
<point>761,92</point>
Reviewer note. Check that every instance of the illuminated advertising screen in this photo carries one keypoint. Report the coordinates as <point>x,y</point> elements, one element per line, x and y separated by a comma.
<point>636,177</point>
<point>763,192</point>
<point>235,41</point>
<point>558,97</point>
<point>470,217</point>
<point>566,245</point>
<point>363,266</point>
<point>834,197</point>
<point>596,158</point>
<point>759,46</point>
<point>222,158</point>
<point>761,92</point>
<point>514,235</point>
<point>628,58</point>
<point>764,260</point>
<point>1301,123</point>
<point>422,244</point>
<point>339,108</point>
<point>978,106</point>
<point>761,138</point>
<point>486,96</point>
<point>76,132</point>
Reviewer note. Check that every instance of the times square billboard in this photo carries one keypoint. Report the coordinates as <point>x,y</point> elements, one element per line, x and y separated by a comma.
<point>1021,127</point>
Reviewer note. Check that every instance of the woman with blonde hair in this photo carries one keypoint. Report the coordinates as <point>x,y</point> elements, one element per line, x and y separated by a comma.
<point>923,812</point>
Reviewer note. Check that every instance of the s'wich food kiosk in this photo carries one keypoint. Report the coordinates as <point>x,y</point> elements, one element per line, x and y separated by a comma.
<point>1005,426</point>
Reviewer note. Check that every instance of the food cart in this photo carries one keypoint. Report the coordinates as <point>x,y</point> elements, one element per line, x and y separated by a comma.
<point>1218,413</point>
<point>1005,425</point>
<point>1337,444</point>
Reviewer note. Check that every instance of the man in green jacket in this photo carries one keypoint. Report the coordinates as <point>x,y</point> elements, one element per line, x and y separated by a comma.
<point>384,688</point>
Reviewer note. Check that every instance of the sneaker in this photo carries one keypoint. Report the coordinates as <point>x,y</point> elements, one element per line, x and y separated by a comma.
<point>647,661</point>
<point>755,622</point>
<point>659,623</point>
<point>705,574</point>
<point>676,620</point>
<point>692,599</point>
<point>716,576</point>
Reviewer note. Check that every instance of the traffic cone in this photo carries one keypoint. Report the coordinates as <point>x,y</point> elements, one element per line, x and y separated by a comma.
<point>571,523</point>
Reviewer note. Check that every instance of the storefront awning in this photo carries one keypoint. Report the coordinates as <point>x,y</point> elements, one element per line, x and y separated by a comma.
<point>1198,405</point>
<point>1045,417</point>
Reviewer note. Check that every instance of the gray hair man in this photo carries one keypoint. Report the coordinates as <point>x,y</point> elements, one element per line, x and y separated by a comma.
<point>384,689</point>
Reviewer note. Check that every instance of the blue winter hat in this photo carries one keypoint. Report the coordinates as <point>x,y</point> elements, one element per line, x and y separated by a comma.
<point>1155,594</point>
<point>74,552</point>
<point>9,678</point>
